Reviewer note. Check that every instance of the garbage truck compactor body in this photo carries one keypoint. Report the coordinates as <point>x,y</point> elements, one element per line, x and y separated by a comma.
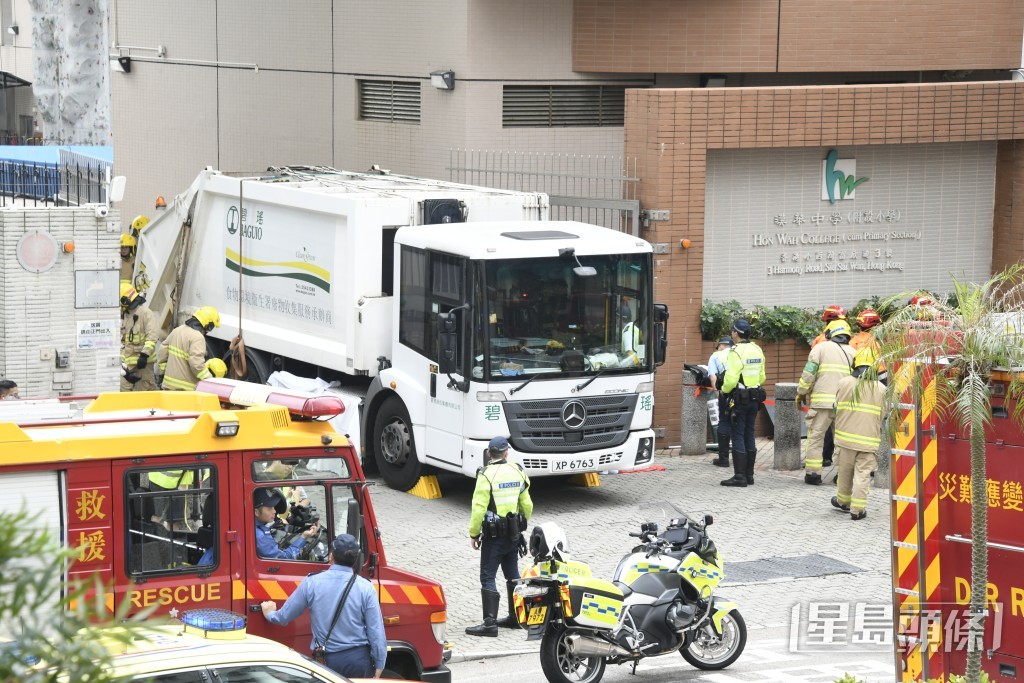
<point>158,489</point>
<point>467,312</point>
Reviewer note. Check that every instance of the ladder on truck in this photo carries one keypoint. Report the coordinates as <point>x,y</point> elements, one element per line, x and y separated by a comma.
<point>914,514</point>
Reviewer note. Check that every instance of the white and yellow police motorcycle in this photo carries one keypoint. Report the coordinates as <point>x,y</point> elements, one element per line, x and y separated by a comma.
<point>661,600</point>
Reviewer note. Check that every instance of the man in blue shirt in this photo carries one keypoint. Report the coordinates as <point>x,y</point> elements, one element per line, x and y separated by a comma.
<point>716,373</point>
<point>269,504</point>
<point>356,646</point>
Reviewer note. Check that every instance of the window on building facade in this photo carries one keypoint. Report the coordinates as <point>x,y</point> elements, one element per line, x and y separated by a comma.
<point>551,106</point>
<point>391,101</point>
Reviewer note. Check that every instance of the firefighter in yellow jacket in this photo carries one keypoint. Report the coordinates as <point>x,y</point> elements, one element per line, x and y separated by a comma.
<point>139,335</point>
<point>859,408</point>
<point>501,508</point>
<point>182,357</point>
<point>129,244</point>
<point>827,363</point>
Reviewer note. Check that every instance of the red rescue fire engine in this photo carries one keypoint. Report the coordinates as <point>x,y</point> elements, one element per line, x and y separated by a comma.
<point>157,489</point>
<point>931,554</point>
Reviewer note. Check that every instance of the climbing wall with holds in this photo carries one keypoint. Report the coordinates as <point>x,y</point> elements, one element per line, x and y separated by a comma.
<point>72,89</point>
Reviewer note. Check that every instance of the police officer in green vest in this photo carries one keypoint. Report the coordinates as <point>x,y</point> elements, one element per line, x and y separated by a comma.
<point>744,375</point>
<point>501,510</point>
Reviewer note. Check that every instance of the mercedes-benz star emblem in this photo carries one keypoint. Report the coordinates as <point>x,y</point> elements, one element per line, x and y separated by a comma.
<point>574,414</point>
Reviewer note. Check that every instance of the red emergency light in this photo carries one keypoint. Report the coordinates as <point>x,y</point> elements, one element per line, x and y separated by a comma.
<point>298,403</point>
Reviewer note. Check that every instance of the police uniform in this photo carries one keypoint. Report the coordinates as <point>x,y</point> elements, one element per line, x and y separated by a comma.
<point>716,367</point>
<point>501,507</point>
<point>744,375</point>
<point>826,364</point>
<point>859,408</point>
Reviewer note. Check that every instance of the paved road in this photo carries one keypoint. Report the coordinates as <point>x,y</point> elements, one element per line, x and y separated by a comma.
<point>767,658</point>
<point>780,517</point>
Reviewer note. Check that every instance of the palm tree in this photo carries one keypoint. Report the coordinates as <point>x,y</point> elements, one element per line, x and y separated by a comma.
<point>51,631</point>
<point>958,346</point>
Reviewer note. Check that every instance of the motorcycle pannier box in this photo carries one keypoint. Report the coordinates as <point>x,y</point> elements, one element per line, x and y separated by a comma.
<point>595,602</point>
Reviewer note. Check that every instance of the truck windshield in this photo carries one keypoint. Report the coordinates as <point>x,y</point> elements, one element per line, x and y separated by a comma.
<point>539,317</point>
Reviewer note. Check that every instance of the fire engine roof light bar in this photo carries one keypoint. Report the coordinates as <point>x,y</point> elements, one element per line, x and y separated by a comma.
<point>298,403</point>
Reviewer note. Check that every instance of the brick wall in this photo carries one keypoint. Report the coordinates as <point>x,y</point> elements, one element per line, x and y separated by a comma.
<point>1008,230</point>
<point>732,36</point>
<point>670,131</point>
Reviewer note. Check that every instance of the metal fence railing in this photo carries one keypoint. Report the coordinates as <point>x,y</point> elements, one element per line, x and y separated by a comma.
<point>25,183</point>
<point>600,189</point>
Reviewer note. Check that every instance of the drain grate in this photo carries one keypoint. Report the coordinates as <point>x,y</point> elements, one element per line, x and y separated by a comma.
<point>774,568</point>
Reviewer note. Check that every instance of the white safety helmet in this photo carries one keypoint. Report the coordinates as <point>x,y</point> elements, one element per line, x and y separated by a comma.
<point>548,541</point>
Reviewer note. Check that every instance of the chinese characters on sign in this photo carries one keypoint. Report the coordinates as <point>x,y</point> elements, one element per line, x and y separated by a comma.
<point>89,508</point>
<point>1008,495</point>
<point>868,247</point>
<point>98,334</point>
<point>289,307</point>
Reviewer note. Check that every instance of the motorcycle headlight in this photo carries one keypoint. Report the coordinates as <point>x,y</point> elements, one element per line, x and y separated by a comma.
<point>525,590</point>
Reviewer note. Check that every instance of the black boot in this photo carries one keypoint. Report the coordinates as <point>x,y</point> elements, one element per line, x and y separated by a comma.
<point>739,467</point>
<point>489,628</point>
<point>510,621</point>
<point>751,458</point>
<point>723,451</point>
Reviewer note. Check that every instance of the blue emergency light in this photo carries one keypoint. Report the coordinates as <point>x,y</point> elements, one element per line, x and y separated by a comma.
<point>214,623</point>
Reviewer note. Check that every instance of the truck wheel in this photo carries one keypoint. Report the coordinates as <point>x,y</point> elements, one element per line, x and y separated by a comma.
<point>257,366</point>
<point>393,446</point>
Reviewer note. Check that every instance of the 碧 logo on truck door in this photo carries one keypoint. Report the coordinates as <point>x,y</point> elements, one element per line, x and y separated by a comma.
<point>574,414</point>
<point>232,220</point>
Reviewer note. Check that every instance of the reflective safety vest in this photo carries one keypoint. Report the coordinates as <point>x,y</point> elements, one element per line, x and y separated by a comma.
<point>509,487</point>
<point>826,365</point>
<point>859,407</point>
<point>745,360</point>
<point>171,479</point>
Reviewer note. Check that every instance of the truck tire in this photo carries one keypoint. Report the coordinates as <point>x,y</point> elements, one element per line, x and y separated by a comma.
<point>393,446</point>
<point>257,366</point>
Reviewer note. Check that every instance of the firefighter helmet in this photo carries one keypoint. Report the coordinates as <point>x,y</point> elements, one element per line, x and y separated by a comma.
<point>128,240</point>
<point>865,356</point>
<point>833,312</point>
<point>218,367</point>
<point>128,294</point>
<point>837,328</point>
<point>922,300</point>
<point>138,224</point>
<point>208,317</point>
<point>868,318</point>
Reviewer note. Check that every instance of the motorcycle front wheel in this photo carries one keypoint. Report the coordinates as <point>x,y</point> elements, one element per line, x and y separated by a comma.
<point>711,652</point>
<point>560,666</point>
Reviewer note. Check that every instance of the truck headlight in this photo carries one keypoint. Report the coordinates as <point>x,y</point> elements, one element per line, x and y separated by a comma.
<point>644,451</point>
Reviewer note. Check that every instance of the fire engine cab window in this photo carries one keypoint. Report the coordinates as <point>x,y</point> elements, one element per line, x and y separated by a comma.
<point>281,527</point>
<point>172,520</point>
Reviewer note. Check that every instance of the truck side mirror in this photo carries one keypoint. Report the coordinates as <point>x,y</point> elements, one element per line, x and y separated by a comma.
<point>447,343</point>
<point>354,520</point>
<point>660,333</point>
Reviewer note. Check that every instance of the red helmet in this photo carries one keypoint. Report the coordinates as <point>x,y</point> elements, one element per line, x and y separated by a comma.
<point>833,312</point>
<point>922,300</point>
<point>868,319</point>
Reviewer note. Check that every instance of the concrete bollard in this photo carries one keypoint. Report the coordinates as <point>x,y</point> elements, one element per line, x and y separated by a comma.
<point>787,427</point>
<point>694,417</point>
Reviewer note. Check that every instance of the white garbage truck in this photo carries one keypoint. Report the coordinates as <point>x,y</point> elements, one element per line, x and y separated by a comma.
<point>463,310</point>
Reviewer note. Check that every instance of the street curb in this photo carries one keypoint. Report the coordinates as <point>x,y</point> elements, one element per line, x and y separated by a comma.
<point>467,656</point>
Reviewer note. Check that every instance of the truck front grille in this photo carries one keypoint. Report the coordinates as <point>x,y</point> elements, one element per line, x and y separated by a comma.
<point>537,426</point>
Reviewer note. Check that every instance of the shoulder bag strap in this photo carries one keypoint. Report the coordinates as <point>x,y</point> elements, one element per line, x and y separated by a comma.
<point>341,603</point>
